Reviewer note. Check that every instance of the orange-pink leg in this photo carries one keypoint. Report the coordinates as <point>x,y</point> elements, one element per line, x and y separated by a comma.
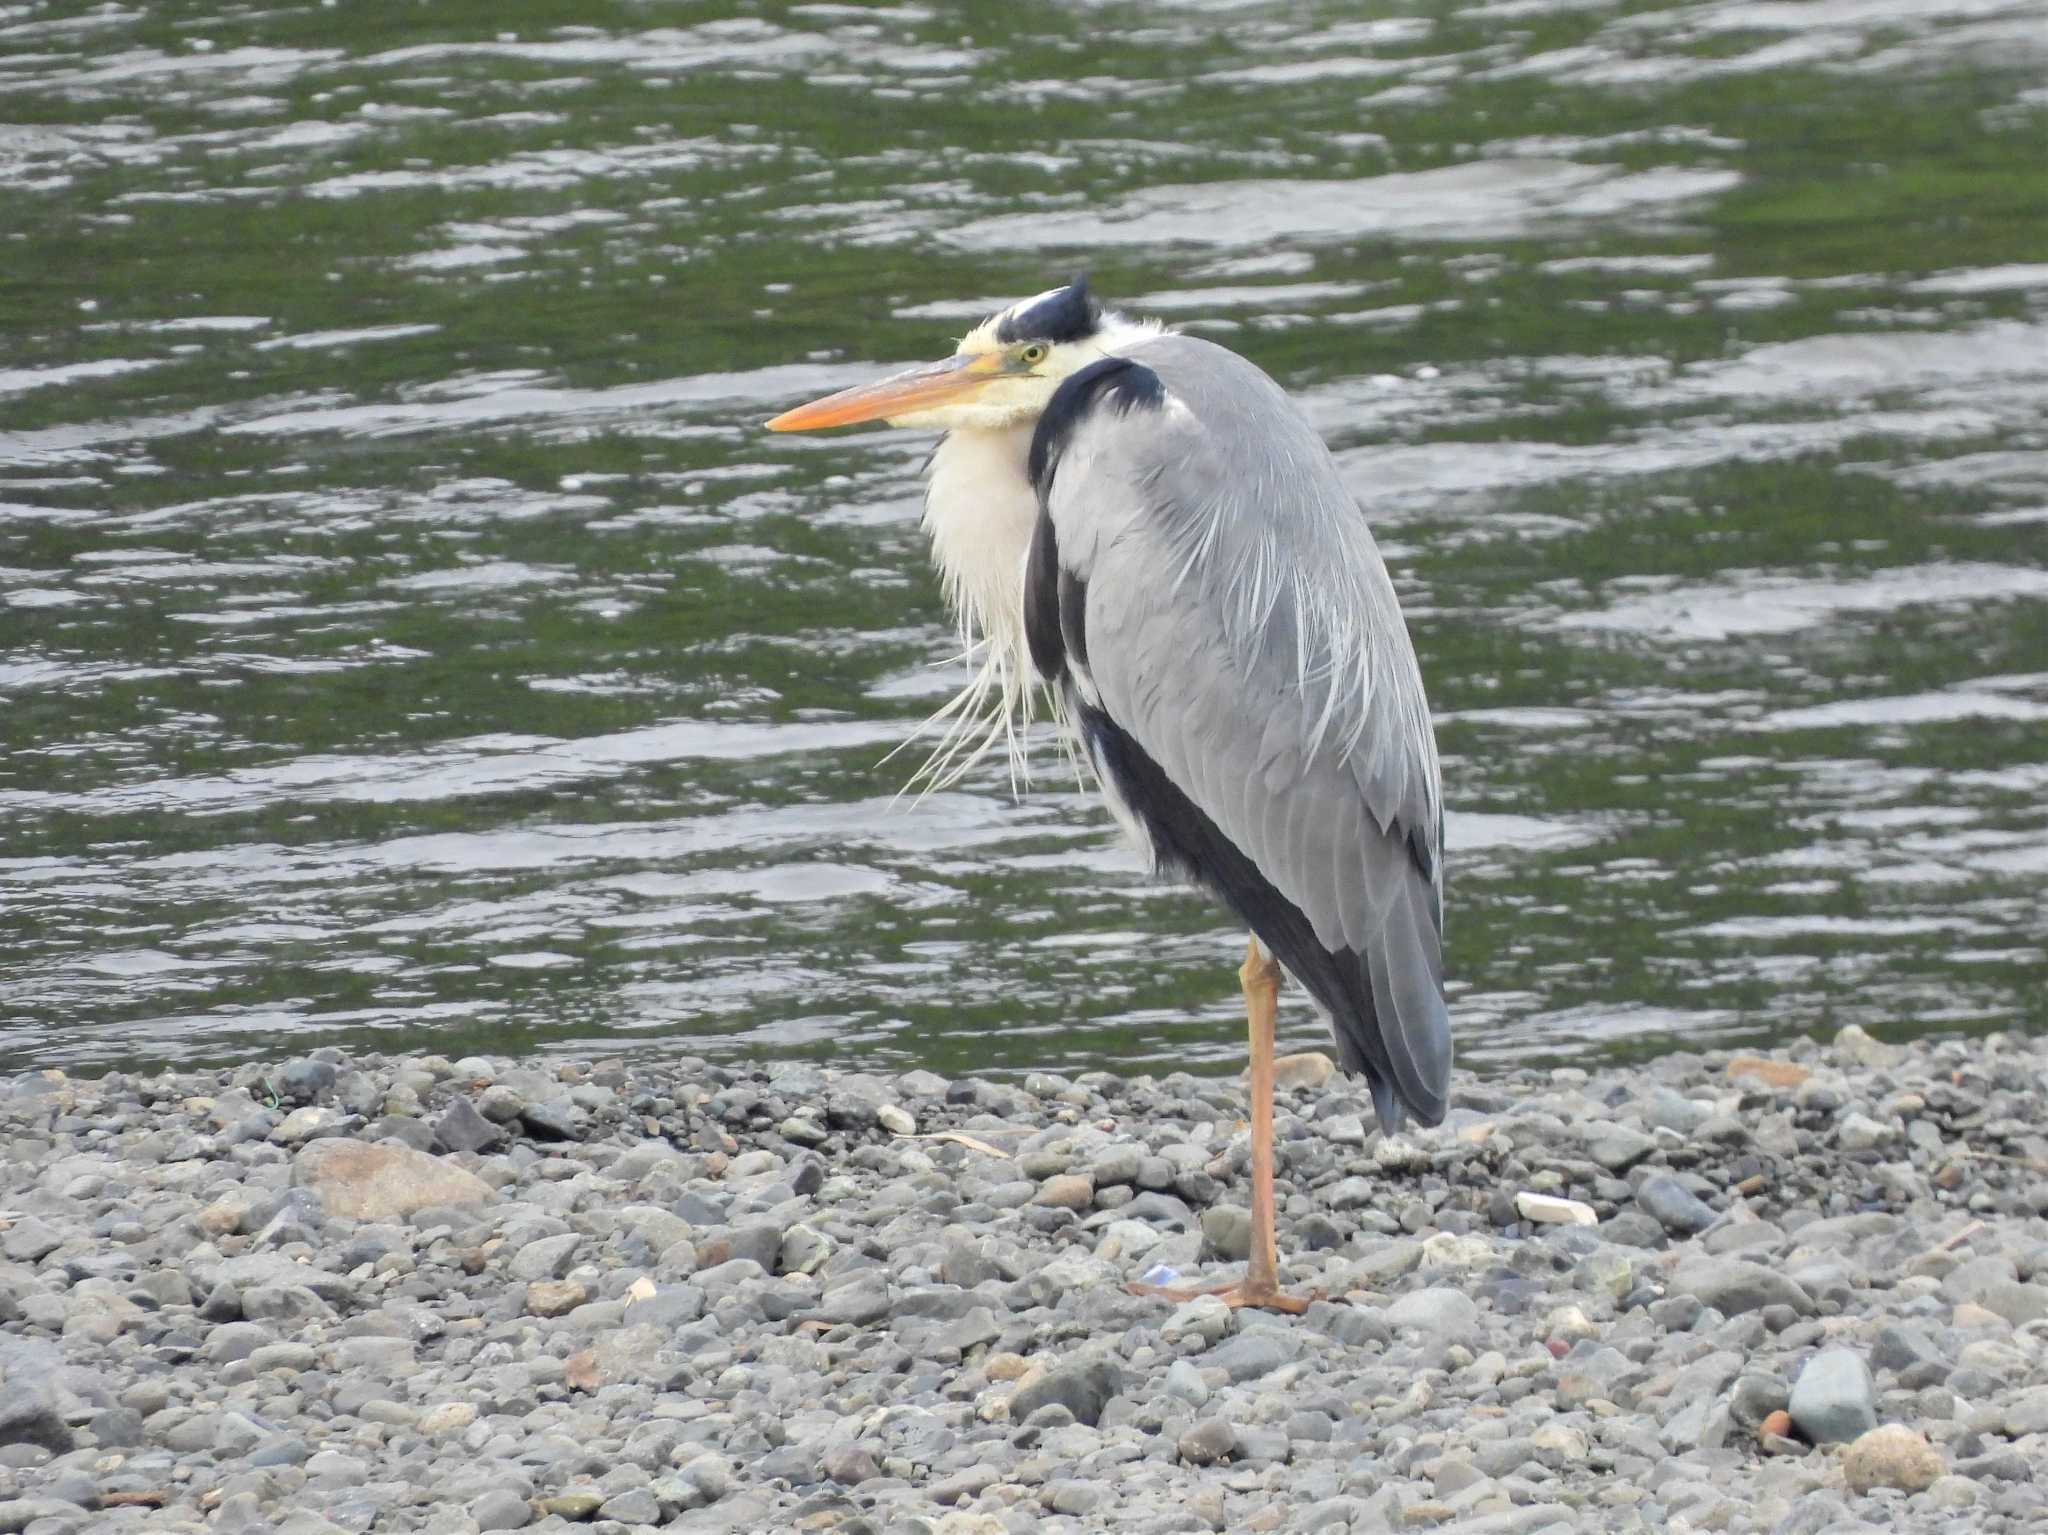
<point>1260,977</point>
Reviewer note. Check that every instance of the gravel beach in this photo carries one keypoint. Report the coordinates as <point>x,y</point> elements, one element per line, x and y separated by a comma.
<point>1800,1293</point>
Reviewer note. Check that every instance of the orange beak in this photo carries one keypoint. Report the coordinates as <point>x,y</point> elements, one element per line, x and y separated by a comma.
<point>919,388</point>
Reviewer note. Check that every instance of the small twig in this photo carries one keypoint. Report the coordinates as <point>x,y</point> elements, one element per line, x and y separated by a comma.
<point>1959,1238</point>
<point>958,1138</point>
<point>2032,1164</point>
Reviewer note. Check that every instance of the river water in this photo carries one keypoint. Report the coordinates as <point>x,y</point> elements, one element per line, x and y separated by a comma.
<point>409,638</point>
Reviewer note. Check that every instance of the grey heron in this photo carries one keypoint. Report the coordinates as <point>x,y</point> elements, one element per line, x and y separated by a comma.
<point>1144,522</point>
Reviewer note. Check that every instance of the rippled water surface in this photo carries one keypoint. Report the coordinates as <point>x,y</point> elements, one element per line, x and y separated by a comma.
<point>408,638</point>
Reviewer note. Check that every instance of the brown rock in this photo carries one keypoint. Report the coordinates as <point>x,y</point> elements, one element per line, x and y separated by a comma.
<point>576,1505</point>
<point>582,1371</point>
<point>1069,1191</point>
<point>1891,1456</point>
<point>382,1182</point>
<point>1783,1075</point>
<point>555,1297</point>
<point>1311,1069</point>
<point>1777,1424</point>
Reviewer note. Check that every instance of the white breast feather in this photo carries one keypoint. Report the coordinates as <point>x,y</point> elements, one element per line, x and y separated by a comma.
<point>980,512</point>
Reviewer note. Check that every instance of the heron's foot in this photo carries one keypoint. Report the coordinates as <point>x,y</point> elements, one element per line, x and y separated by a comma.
<point>1234,1294</point>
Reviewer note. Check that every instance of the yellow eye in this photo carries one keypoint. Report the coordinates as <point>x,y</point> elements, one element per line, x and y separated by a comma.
<point>1034,354</point>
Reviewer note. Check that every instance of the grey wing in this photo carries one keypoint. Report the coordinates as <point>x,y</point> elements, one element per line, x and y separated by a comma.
<point>1240,672</point>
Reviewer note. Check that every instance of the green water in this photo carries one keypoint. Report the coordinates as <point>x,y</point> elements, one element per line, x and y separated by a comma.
<point>409,639</point>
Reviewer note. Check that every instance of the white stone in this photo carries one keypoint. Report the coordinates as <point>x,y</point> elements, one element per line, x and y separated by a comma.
<point>1551,1210</point>
<point>897,1121</point>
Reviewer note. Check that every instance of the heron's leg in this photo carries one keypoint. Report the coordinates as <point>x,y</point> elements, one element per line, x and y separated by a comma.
<point>1260,977</point>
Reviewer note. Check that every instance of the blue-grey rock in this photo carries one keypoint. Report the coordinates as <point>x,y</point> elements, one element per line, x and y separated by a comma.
<point>861,1301</point>
<point>1252,1354</point>
<point>501,1509</point>
<point>302,1081</point>
<point>462,1128</point>
<point>1674,1206</point>
<point>52,1514</point>
<point>1834,1400</point>
<point>29,1239</point>
<point>1674,1111</point>
<point>545,1257</point>
<point>29,1414</point>
<point>1618,1147</point>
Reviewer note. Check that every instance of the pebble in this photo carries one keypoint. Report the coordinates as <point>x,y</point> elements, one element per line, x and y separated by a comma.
<point>1550,1210</point>
<point>1674,1206</point>
<point>1206,1442</point>
<point>1083,1388</point>
<point>1891,1456</point>
<point>669,1293</point>
<point>1834,1399</point>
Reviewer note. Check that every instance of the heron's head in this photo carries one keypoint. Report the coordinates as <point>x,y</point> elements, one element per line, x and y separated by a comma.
<point>1002,374</point>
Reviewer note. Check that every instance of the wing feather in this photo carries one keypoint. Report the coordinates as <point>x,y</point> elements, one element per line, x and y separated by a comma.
<point>1243,633</point>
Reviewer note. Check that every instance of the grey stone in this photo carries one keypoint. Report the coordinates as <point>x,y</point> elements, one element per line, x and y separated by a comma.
<point>2027,1413</point>
<point>53,1514</point>
<point>545,1257</point>
<point>1674,1206</point>
<point>803,1250</point>
<point>236,1340</point>
<point>1901,1347</point>
<point>1733,1286</point>
<point>29,1239</point>
<point>1859,1132</point>
<point>501,1509</point>
<point>1184,1383</point>
<point>555,1120</point>
<point>636,1505</point>
<point>1252,1354</point>
<point>971,1331</point>
<point>1756,1396</point>
<point>849,1465</point>
<point>302,1081</point>
<point>1834,1399</point>
<point>1083,1387</point>
<point>1207,1441</point>
<point>462,1128</point>
<point>1618,1147</point>
<point>1441,1311</point>
<point>1228,1231</point>
<point>1076,1498</point>
<point>862,1300</point>
<point>2019,1304</point>
<point>1674,1111</point>
<point>30,1414</point>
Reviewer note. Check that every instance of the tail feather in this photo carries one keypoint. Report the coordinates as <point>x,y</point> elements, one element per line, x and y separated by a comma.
<point>1404,970</point>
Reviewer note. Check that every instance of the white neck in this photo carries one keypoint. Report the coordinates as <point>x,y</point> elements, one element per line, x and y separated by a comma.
<point>979,513</point>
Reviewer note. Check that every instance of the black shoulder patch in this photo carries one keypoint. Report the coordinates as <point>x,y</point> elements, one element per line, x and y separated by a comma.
<point>1116,381</point>
<point>1065,314</point>
<point>1042,603</point>
<point>1074,616</point>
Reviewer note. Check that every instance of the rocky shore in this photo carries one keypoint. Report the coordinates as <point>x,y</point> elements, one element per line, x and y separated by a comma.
<point>364,1293</point>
